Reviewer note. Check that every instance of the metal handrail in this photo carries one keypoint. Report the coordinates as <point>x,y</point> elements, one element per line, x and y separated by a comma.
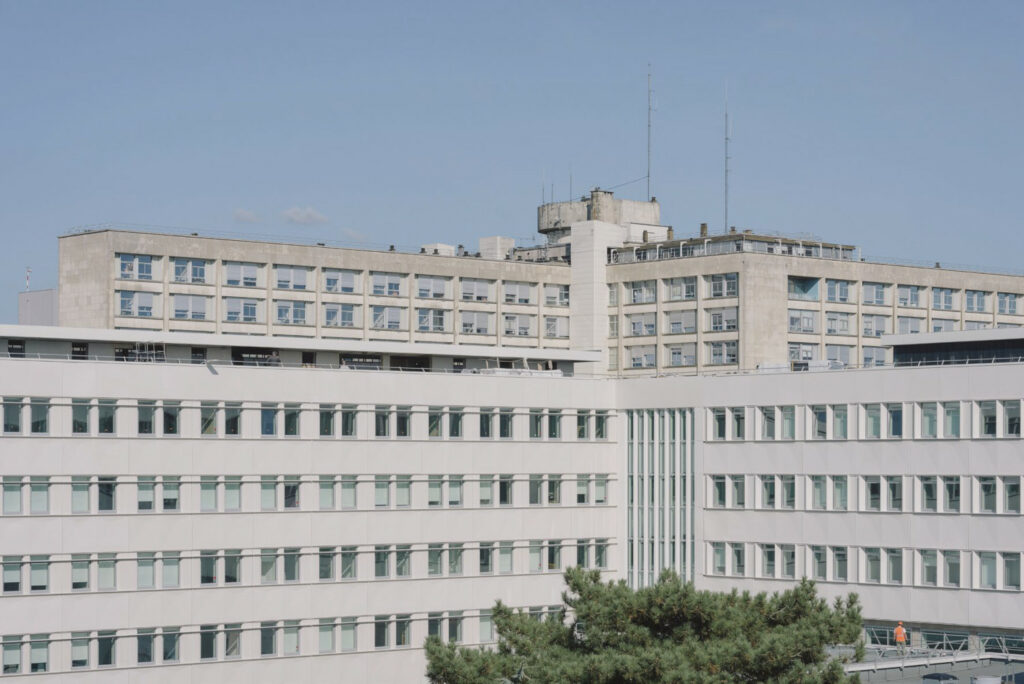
<point>161,359</point>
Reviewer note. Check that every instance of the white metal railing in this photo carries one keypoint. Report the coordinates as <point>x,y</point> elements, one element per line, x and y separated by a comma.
<point>153,357</point>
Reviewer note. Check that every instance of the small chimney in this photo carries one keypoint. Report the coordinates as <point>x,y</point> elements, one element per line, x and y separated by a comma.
<point>703,230</point>
<point>671,235</point>
<point>732,230</point>
<point>391,248</point>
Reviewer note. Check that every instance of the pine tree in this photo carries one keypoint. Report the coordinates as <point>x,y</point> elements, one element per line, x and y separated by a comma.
<point>669,632</point>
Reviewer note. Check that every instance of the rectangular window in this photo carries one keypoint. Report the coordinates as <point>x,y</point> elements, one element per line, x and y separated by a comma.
<point>819,562</point>
<point>505,423</point>
<point>505,490</point>
<point>873,565</point>
<point>874,293</point>
<point>455,490</point>
<point>839,493</point>
<point>951,494</point>
<point>382,561</point>
<point>268,566</point>
<point>232,566</point>
<point>987,570</point>
<point>487,490</point>
<point>803,288</point>
<point>987,415</point>
<point>431,287</point>
<point>718,491</point>
<point>908,295</point>
<point>722,353</point>
<point>839,421</point>
<point>768,560</point>
<point>894,558</point>
<point>582,489</point>
<point>767,491</point>
<point>475,290</point>
<point>929,567</point>
<point>788,560</point>
<point>1011,571</point>
<point>838,291</point>
<point>1011,418</point>
<point>238,274</point>
<point>207,642</point>
<point>144,646</point>
<point>170,569</point>
<point>207,567</point>
<point>872,421</point>
<point>987,495</point>
<point>974,301</point>
<point>839,563</point>
<point>818,492</point>
<point>105,653</point>
<point>291,277</point>
<point>929,494</point>
<point>873,493</point>
<point>341,281</point>
<point>1007,303</point>
<point>951,420</point>
<point>894,488</point>
<point>723,285</point>
<point>951,568</point>
<point>339,315</point>
<point>1011,494</point>
<point>268,638</point>
<point>348,562</point>
<point>802,321</point>
<point>942,298</point>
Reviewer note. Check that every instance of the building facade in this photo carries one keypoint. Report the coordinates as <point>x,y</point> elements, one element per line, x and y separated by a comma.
<point>281,462</point>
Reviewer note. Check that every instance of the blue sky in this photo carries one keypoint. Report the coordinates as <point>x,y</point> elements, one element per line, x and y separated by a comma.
<point>891,125</point>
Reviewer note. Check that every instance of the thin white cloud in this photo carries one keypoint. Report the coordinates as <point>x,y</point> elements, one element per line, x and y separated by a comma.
<point>246,216</point>
<point>303,216</point>
<point>353,235</point>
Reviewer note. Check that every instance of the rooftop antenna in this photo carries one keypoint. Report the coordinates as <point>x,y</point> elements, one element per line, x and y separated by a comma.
<point>650,109</point>
<point>725,228</point>
<point>570,182</point>
<point>28,277</point>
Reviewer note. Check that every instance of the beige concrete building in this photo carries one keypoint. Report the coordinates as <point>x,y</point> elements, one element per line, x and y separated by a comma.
<point>609,277</point>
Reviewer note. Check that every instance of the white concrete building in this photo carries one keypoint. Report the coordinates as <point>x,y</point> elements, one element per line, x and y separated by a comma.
<point>290,499</point>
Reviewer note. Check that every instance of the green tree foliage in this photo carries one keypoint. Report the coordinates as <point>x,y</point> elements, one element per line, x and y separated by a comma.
<point>669,632</point>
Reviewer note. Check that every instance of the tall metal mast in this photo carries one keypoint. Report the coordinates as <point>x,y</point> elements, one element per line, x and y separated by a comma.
<point>725,228</point>
<point>650,108</point>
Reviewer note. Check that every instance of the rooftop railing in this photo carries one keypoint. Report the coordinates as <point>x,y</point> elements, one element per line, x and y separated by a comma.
<point>641,253</point>
<point>157,358</point>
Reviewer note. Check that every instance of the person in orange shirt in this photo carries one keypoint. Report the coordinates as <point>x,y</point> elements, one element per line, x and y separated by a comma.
<point>900,634</point>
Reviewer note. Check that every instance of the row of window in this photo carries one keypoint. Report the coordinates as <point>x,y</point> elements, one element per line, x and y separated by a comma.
<point>989,419</point>
<point>238,567</point>
<point>873,325</point>
<point>718,285</point>
<point>168,418</point>
<point>346,281</point>
<point>881,493</point>
<point>999,570</point>
<point>912,296</point>
<point>235,493</point>
<point>724,319</point>
<point>718,353</point>
<point>229,641</point>
<point>335,315</point>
